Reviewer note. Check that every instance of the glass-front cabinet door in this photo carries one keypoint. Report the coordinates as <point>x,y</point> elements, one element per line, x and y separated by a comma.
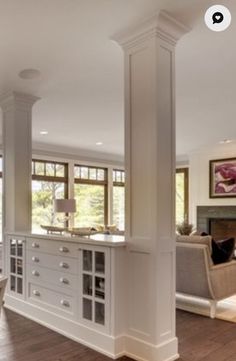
<point>16,265</point>
<point>95,285</point>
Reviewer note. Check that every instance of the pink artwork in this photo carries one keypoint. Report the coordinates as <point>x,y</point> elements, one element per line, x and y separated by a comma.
<point>223,178</point>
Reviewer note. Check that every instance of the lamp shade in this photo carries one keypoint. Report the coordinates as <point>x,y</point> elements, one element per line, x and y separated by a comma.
<point>65,205</point>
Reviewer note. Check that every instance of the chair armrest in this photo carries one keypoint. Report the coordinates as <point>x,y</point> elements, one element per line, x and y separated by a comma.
<point>223,279</point>
<point>224,265</point>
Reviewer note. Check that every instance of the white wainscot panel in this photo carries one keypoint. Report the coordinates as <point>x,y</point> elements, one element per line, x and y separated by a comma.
<point>139,293</point>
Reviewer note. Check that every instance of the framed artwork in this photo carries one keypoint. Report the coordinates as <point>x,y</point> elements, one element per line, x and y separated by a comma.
<point>223,178</point>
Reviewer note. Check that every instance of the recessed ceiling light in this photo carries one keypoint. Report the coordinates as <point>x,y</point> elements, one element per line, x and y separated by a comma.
<point>99,143</point>
<point>43,132</point>
<point>226,141</point>
<point>29,74</point>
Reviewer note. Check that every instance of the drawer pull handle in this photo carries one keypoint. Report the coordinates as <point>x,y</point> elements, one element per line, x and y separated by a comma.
<point>36,293</point>
<point>64,249</point>
<point>35,245</point>
<point>35,273</point>
<point>35,259</point>
<point>64,280</point>
<point>65,303</point>
<point>64,265</point>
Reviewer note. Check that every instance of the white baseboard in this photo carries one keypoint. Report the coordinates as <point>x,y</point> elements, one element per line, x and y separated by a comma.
<point>113,347</point>
<point>144,351</point>
<point>93,339</point>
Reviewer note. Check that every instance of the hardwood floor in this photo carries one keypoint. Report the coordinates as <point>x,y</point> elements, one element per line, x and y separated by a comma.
<point>25,340</point>
<point>203,339</point>
<point>200,339</point>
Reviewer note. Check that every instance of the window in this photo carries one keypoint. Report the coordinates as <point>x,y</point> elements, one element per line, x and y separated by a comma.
<point>90,192</point>
<point>119,198</point>
<point>181,195</point>
<point>49,181</point>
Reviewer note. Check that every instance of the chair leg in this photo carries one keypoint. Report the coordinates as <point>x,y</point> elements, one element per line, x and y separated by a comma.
<point>213,305</point>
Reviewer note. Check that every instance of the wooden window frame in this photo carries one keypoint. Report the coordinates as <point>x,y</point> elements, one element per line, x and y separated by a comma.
<point>46,178</point>
<point>115,183</point>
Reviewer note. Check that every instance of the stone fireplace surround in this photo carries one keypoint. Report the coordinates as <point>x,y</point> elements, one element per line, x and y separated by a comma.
<point>206,216</point>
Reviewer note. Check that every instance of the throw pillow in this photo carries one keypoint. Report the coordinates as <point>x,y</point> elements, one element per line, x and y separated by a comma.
<point>222,251</point>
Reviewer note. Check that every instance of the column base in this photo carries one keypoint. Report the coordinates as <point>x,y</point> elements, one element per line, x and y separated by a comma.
<point>144,351</point>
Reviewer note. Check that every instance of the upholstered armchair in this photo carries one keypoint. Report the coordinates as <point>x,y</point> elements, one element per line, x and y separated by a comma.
<point>196,275</point>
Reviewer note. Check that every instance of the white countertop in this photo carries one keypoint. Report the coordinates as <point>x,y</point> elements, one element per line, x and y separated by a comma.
<point>96,239</point>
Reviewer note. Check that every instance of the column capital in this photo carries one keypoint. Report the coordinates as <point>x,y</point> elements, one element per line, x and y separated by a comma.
<point>160,25</point>
<point>14,99</point>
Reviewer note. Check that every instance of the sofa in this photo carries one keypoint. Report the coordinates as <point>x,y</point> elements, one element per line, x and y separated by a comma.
<point>196,275</point>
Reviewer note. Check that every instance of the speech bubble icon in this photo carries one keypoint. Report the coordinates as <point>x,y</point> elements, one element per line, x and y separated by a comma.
<point>217,17</point>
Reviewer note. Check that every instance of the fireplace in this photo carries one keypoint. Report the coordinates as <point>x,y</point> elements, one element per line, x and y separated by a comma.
<point>222,228</point>
<point>219,221</point>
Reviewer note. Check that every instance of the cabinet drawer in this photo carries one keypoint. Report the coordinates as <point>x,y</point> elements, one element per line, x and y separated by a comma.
<point>58,263</point>
<point>52,247</point>
<point>49,299</point>
<point>43,276</point>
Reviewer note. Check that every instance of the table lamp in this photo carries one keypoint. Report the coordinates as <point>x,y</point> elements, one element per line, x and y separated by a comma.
<point>65,206</point>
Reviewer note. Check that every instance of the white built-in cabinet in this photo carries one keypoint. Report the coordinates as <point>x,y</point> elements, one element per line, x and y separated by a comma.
<point>15,265</point>
<point>95,285</point>
<point>66,283</point>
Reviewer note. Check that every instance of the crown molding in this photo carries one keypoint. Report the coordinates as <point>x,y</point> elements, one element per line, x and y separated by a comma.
<point>217,149</point>
<point>11,99</point>
<point>66,152</point>
<point>160,25</point>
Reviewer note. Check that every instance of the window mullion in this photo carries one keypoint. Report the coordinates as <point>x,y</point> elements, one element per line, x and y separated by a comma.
<point>110,195</point>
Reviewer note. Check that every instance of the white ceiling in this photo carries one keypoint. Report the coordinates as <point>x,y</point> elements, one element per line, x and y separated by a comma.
<point>81,86</point>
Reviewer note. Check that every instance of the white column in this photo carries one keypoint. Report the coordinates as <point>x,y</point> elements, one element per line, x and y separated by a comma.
<point>71,190</point>
<point>150,192</point>
<point>17,154</point>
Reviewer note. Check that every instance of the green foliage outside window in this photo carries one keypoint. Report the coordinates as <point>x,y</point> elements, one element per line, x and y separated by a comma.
<point>43,195</point>
<point>90,205</point>
<point>181,195</point>
<point>119,207</point>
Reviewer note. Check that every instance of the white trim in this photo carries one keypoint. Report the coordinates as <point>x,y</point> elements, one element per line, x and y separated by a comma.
<point>145,351</point>
<point>66,153</point>
<point>71,189</point>
<point>113,347</point>
<point>182,166</point>
<point>110,194</point>
<point>162,25</point>
<point>75,160</point>
<point>28,311</point>
<point>77,153</point>
<point>12,99</point>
